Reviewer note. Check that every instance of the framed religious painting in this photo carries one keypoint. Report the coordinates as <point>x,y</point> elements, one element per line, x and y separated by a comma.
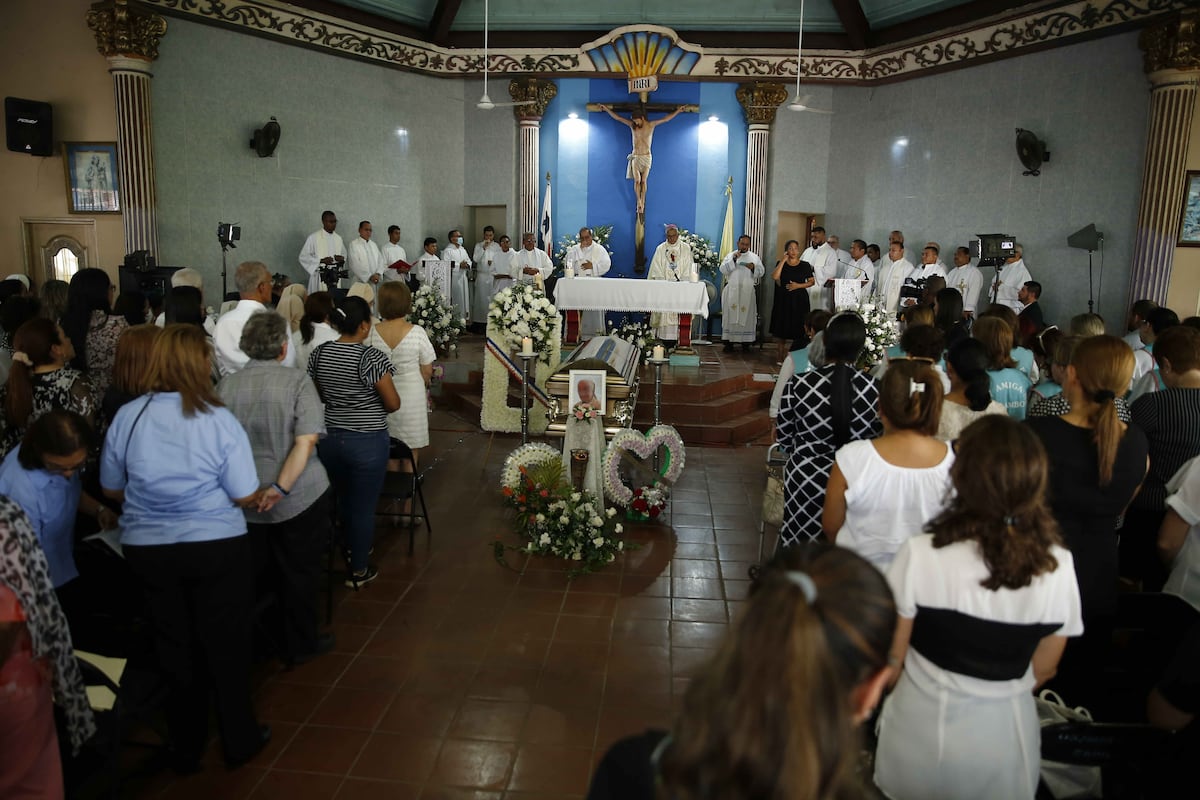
<point>1189,225</point>
<point>92,183</point>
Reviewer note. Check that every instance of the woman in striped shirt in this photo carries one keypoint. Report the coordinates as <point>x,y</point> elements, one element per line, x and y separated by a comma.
<point>355,383</point>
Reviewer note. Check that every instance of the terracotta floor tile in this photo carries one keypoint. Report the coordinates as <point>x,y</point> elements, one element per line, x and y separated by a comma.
<point>484,765</point>
<point>352,708</point>
<point>645,586</point>
<point>489,720</point>
<point>355,611</point>
<point>501,683</point>
<point>700,588</point>
<point>287,702</point>
<point>686,661</point>
<point>564,726</point>
<point>576,655</point>
<point>584,629</point>
<point>695,568</point>
<point>698,610</point>
<point>419,715</point>
<point>396,642</point>
<point>643,608</point>
<point>321,749</point>
<point>597,582</point>
<point>589,605</point>
<point>516,653</point>
<point>551,769</point>
<point>697,634</point>
<point>432,792</point>
<point>456,646</point>
<point>737,552</point>
<point>362,789</point>
<point>547,580</point>
<point>516,624</point>
<point>350,638</point>
<point>617,722</point>
<point>537,600</point>
<point>449,678</point>
<point>216,783</point>
<point>737,590</point>
<point>640,631</point>
<point>415,617</point>
<point>323,670</point>
<point>298,786</point>
<point>703,550</point>
<point>376,672</point>
<point>701,535</point>
<point>570,688</point>
<point>394,757</point>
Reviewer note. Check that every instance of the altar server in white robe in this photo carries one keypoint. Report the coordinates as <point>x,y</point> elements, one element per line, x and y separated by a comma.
<point>429,253</point>
<point>460,284</point>
<point>393,252</point>
<point>363,259</point>
<point>824,263</point>
<point>672,261</point>
<point>484,259</point>
<point>587,259</point>
<point>891,277</point>
<point>1013,276</point>
<point>967,279</point>
<point>739,301</point>
<point>322,248</point>
<point>503,269</point>
<point>531,264</point>
<point>860,268</point>
<point>842,257</point>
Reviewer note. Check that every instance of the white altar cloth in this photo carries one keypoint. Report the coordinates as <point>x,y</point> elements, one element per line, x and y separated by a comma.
<point>631,294</point>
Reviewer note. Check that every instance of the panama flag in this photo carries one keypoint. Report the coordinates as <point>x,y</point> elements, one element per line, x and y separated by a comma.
<point>727,242</point>
<point>546,227</point>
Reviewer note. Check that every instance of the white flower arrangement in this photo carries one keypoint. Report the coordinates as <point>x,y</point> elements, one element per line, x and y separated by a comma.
<point>643,446</point>
<point>523,310</point>
<point>524,457</point>
<point>600,235</point>
<point>638,334</point>
<point>495,413</point>
<point>433,312</point>
<point>881,334</point>
<point>704,254</point>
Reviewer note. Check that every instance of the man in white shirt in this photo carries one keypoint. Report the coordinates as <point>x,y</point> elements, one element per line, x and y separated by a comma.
<point>502,266</point>
<point>860,267</point>
<point>391,253</point>
<point>530,263</point>
<point>967,279</point>
<point>895,237</point>
<point>672,261</point>
<point>1013,275</point>
<point>739,300</point>
<point>842,257</point>
<point>322,248</point>
<point>589,260</point>
<point>253,281</point>
<point>364,260</point>
<point>823,259</point>
<point>937,249</point>
<point>891,277</point>
<point>874,254</point>
<point>460,284</point>
<point>484,259</point>
<point>429,253</point>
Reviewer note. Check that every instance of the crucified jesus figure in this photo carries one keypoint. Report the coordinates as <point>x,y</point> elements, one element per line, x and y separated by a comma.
<point>638,169</point>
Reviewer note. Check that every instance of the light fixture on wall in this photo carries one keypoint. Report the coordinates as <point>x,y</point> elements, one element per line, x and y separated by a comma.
<point>266,139</point>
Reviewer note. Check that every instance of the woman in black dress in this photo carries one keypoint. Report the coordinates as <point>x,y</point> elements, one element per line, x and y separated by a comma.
<point>792,279</point>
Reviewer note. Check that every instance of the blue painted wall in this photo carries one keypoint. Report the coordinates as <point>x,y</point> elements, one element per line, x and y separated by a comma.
<point>693,159</point>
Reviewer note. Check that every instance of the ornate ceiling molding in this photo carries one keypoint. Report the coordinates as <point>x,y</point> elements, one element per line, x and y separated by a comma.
<point>123,30</point>
<point>538,93</point>
<point>760,100</point>
<point>994,38</point>
<point>1173,43</point>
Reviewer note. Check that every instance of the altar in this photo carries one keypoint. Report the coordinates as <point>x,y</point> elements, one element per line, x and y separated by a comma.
<point>573,295</point>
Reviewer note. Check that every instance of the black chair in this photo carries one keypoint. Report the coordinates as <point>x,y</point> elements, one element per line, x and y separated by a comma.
<point>403,483</point>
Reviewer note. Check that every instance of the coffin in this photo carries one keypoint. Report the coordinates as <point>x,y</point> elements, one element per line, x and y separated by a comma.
<point>621,362</point>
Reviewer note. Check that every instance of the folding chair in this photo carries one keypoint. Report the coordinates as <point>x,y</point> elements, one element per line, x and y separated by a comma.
<point>401,486</point>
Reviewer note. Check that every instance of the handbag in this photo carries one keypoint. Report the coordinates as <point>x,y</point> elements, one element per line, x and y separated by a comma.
<point>1065,780</point>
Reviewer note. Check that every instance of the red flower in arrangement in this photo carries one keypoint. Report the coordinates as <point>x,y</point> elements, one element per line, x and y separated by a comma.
<point>508,492</point>
<point>655,511</point>
<point>545,492</point>
<point>520,498</point>
<point>640,505</point>
<point>532,518</point>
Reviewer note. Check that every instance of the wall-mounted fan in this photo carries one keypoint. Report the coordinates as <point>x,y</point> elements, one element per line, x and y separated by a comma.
<point>485,103</point>
<point>1032,152</point>
<point>266,139</point>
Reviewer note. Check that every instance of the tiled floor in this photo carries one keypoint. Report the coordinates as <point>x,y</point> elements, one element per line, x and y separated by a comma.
<point>456,677</point>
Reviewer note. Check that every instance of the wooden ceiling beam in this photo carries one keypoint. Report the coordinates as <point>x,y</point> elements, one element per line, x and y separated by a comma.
<point>442,19</point>
<point>854,21</point>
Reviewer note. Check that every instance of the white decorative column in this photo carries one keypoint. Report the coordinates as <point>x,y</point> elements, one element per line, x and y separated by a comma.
<point>1172,61</point>
<point>537,95</point>
<point>759,102</point>
<point>128,37</point>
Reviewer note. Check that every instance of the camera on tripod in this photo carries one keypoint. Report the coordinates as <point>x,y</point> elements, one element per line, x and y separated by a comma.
<point>332,273</point>
<point>914,288</point>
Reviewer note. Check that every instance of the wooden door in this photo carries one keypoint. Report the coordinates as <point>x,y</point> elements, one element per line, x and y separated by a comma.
<point>56,248</point>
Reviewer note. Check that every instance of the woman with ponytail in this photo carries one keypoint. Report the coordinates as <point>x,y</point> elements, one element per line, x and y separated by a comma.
<point>986,597</point>
<point>1097,463</point>
<point>92,326</point>
<point>820,411</point>
<point>41,381</point>
<point>315,327</point>
<point>970,395</point>
<point>775,715</point>
<point>881,492</point>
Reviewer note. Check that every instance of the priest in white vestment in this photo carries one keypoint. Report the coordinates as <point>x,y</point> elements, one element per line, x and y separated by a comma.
<point>823,259</point>
<point>891,277</point>
<point>363,259</point>
<point>530,264</point>
<point>322,248</point>
<point>430,253</point>
<point>503,269</point>
<point>841,257</point>
<point>1013,276</point>
<point>484,259</point>
<point>393,252</point>
<point>587,259</point>
<point>967,279</point>
<point>860,268</point>
<point>920,273</point>
<point>460,284</point>
<point>739,300</point>
<point>672,261</point>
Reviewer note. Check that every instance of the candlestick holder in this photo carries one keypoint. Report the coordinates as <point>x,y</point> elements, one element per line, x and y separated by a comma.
<point>525,359</point>
<point>658,363</point>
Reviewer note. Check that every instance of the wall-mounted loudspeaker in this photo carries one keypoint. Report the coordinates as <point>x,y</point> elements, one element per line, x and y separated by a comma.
<point>29,126</point>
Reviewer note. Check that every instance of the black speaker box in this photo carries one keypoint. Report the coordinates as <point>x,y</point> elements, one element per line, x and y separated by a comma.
<point>29,126</point>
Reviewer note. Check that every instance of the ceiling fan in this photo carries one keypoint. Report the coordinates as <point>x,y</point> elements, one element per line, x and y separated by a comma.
<point>800,101</point>
<point>485,103</point>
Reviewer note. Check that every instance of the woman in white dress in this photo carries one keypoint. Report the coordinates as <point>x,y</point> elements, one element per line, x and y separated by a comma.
<point>412,355</point>
<point>315,329</point>
<point>882,491</point>
<point>986,600</point>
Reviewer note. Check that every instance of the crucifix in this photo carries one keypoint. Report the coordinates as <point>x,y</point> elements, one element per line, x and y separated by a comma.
<point>638,163</point>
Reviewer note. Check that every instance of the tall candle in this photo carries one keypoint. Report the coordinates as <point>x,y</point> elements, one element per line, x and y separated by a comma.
<point>694,276</point>
<point>526,346</point>
<point>570,273</point>
<point>659,353</point>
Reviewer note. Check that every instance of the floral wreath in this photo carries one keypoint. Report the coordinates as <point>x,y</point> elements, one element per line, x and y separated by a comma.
<point>644,446</point>
<point>527,455</point>
<point>434,313</point>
